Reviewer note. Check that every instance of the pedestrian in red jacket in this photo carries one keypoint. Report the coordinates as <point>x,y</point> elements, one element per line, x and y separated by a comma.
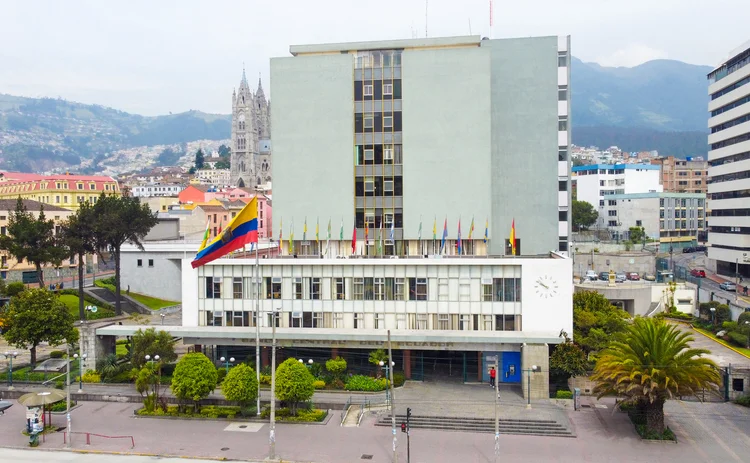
<point>493,374</point>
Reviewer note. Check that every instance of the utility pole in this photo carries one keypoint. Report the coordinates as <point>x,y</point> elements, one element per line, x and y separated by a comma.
<point>67,381</point>
<point>393,398</point>
<point>257,323</point>
<point>272,426</point>
<point>497,416</point>
<point>408,432</point>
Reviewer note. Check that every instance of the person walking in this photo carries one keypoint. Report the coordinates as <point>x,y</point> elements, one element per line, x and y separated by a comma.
<point>493,375</point>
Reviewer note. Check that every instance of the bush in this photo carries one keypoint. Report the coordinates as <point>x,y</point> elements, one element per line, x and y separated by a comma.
<point>13,289</point>
<point>738,339</point>
<point>285,414</point>
<point>563,395</point>
<point>744,401</point>
<point>318,384</point>
<point>294,383</point>
<point>59,384</point>
<point>91,376</point>
<point>240,385</point>
<point>221,373</point>
<point>265,379</point>
<point>194,378</point>
<point>744,316</point>
<point>337,367</point>
<point>398,379</point>
<point>675,315</point>
<point>56,354</point>
<point>365,383</point>
<point>62,406</point>
<point>337,384</point>
<point>721,314</point>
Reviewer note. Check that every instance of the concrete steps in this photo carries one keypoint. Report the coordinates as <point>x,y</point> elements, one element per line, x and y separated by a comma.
<point>485,425</point>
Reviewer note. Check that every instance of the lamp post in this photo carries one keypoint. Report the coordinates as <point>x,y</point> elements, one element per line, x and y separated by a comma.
<point>227,363</point>
<point>713,316</point>
<point>737,279</point>
<point>309,363</point>
<point>162,318</point>
<point>81,361</point>
<point>272,426</point>
<point>10,356</point>
<point>528,371</point>
<point>387,368</point>
<point>747,325</point>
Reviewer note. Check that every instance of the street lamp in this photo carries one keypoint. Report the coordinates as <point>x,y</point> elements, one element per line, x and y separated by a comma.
<point>309,363</point>
<point>81,361</point>
<point>227,363</point>
<point>713,316</point>
<point>162,318</point>
<point>10,356</point>
<point>272,426</point>
<point>387,369</point>
<point>747,325</point>
<point>528,371</point>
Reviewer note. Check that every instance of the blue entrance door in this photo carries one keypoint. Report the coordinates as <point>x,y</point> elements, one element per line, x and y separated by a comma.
<point>510,371</point>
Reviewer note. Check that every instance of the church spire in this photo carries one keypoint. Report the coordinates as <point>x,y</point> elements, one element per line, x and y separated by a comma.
<point>259,92</point>
<point>244,78</point>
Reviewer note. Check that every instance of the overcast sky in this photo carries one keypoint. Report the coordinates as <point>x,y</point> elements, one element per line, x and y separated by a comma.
<point>152,57</point>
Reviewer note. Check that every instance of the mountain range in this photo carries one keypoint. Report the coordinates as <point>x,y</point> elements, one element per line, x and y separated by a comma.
<point>659,105</point>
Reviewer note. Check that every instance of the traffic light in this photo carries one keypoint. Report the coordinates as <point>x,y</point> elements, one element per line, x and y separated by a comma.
<point>403,427</point>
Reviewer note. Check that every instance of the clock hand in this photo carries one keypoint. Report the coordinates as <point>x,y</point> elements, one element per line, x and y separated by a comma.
<point>545,286</point>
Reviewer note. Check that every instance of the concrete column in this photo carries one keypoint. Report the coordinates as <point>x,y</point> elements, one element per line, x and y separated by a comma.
<point>334,352</point>
<point>95,347</point>
<point>535,354</point>
<point>198,348</point>
<point>480,369</point>
<point>265,358</point>
<point>407,363</point>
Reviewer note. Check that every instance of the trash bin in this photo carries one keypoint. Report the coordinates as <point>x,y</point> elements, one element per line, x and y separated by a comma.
<point>577,398</point>
<point>33,439</point>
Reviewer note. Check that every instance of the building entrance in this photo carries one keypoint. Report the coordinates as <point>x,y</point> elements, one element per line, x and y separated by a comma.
<point>445,366</point>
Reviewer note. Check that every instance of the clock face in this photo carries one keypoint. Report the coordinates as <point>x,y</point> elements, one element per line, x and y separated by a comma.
<point>546,287</point>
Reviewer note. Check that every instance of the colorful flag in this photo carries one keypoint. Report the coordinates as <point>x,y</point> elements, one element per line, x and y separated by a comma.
<point>304,230</point>
<point>317,230</point>
<point>513,237</point>
<point>281,231</point>
<point>241,230</point>
<point>419,233</point>
<point>434,229</point>
<point>367,234</point>
<point>328,241</point>
<point>341,232</point>
<point>221,222</point>
<point>458,242</point>
<point>354,240</point>
<point>291,238</point>
<point>471,228</point>
<point>393,228</point>
<point>380,241</point>
<point>486,230</point>
<point>206,234</point>
<point>445,235</point>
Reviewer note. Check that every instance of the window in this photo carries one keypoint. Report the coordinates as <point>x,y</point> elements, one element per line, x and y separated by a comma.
<point>359,289</point>
<point>738,384</point>
<point>399,296</point>
<point>562,216</point>
<point>562,61</point>
<point>388,186</point>
<point>65,199</point>
<point>369,154</point>
<point>379,289</point>
<point>317,321</point>
<point>562,94</point>
<point>369,122</point>
<point>295,320</point>
<point>421,321</point>
<point>505,322</point>
<point>464,289</point>
<point>151,262</point>
<point>273,288</point>
<point>486,291</point>
<point>298,292</point>
<point>487,322</point>
<point>80,186</point>
<point>562,185</point>
<point>638,223</point>
<point>139,262</point>
<point>57,199</point>
<point>387,89</point>
<point>444,322</point>
<point>562,154</point>
<point>370,188</point>
<point>315,289</point>
<point>379,321</point>
<point>338,320</point>
<point>612,202</point>
<point>464,323</point>
<point>562,125</point>
<point>601,202</point>
<point>612,213</point>
<point>359,321</point>
<point>237,288</point>
<point>388,154</point>
<point>4,261</point>
<point>367,90</point>
<point>612,223</point>
<point>92,186</point>
<point>213,288</point>
<point>339,288</point>
<point>417,289</point>
<point>400,321</point>
<point>442,289</point>
<point>387,122</point>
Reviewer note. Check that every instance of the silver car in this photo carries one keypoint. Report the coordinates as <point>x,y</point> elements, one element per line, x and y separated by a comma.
<point>728,286</point>
<point>620,278</point>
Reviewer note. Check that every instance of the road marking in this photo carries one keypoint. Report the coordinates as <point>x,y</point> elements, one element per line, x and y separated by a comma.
<point>708,430</point>
<point>683,433</point>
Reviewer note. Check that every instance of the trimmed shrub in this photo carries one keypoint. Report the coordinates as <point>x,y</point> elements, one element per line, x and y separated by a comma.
<point>365,383</point>
<point>398,379</point>
<point>318,384</point>
<point>744,401</point>
<point>563,394</point>
<point>738,339</point>
<point>194,378</point>
<point>13,289</point>
<point>91,376</point>
<point>294,383</point>
<point>337,367</point>
<point>265,379</point>
<point>56,354</point>
<point>744,317</point>
<point>240,385</point>
<point>221,373</point>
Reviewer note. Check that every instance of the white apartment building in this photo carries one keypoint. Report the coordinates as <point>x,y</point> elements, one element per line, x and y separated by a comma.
<point>596,183</point>
<point>729,164</point>
<point>219,177</point>
<point>156,189</point>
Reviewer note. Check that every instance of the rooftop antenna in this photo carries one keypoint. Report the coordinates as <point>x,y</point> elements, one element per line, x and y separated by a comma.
<point>492,12</point>
<point>469,26</point>
<point>425,18</point>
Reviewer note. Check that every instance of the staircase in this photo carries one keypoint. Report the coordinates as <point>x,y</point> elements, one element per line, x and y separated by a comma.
<point>108,297</point>
<point>352,417</point>
<point>487,425</point>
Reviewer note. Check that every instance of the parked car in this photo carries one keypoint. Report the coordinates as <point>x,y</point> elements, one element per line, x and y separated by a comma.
<point>649,277</point>
<point>591,275</point>
<point>604,276</point>
<point>621,278</point>
<point>632,276</point>
<point>696,272</point>
<point>701,249</point>
<point>728,286</point>
<point>687,250</point>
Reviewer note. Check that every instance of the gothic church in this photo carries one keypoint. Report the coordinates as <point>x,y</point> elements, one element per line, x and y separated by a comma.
<point>251,136</point>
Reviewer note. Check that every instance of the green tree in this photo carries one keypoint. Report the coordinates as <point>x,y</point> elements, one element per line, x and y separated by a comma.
<point>15,288</point>
<point>200,159</point>
<point>194,378</point>
<point>223,163</point>
<point>191,171</point>
<point>377,356</point>
<point>35,316</point>
<point>224,151</point>
<point>569,359</point>
<point>654,362</point>
<point>119,220</point>
<point>294,383</point>
<point>32,239</point>
<point>337,367</point>
<point>79,236</point>
<point>584,215</point>
<point>240,385</point>
<point>153,343</point>
<point>596,321</point>
<point>637,234</point>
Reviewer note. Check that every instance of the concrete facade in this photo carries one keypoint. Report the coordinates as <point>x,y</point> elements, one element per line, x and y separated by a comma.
<point>683,175</point>
<point>729,164</point>
<point>472,103</point>
<point>156,190</point>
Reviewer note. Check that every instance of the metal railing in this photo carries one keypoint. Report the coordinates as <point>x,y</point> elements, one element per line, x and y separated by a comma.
<point>89,434</point>
<point>345,410</point>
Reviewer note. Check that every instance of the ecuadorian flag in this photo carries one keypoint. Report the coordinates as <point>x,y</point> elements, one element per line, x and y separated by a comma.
<point>242,230</point>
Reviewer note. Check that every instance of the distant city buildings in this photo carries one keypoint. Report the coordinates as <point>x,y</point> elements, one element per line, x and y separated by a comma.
<point>156,189</point>
<point>62,190</point>
<point>683,175</point>
<point>729,164</point>
<point>217,177</point>
<point>251,135</point>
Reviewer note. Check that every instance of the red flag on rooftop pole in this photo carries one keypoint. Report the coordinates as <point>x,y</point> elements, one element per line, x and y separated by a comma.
<point>354,240</point>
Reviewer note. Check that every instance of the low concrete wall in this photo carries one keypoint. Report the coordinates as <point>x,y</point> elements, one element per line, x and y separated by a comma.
<point>584,383</point>
<point>639,262</point>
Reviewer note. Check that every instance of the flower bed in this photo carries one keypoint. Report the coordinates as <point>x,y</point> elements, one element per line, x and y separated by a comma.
<point>206,412</point>
<point>312,415</point>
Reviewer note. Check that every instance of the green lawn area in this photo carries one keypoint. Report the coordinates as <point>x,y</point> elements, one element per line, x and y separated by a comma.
<point>744,350</point>
<point>121,349</point>
<point>153,303</point>
<point>71,301</point>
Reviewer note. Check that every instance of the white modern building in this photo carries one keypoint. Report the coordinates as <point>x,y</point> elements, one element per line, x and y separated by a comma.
<point>676,220</point>
<point>729,164</point>
<point>596,183</point>
<point>156,189</point>
<point>218,177</point>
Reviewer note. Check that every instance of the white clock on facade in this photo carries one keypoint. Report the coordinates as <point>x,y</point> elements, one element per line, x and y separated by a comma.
<point>546,287</point>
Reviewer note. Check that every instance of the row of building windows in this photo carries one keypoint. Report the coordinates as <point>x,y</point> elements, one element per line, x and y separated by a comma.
<point>378,186</point>
<point>378,321</point>
<point>684,202</point>
<point>729,177</point>
<point>735,230</point>
<point>731,141</point>
<point>378,122</point>
<point>362,289</point>
<point>730,123</point>
<point>386,154</point>
<point>377,89</point>
<point>730,213</point>
<point>731,194</point>
<point>678,224</point>
<point>681,214</point>
<point>377,58</point>
<point>744,156</point>
<point>732,105</point>
<point>730,88</point>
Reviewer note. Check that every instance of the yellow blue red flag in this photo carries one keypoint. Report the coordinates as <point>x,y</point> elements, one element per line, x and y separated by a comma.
<point>242,230</point>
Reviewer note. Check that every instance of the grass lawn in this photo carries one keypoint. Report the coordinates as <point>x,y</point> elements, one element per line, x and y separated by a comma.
<point>25,373</point>
<point>152,303</point>
<point>72,302</point>
<point>743,350</point>
<point>121,349</point>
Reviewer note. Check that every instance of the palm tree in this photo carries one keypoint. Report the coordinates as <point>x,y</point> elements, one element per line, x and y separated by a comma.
<point>652,364</point>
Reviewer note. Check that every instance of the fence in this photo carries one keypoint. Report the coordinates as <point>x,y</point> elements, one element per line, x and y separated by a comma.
<point>89,434</point>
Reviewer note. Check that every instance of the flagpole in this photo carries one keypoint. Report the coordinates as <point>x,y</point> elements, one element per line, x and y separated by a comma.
<point>257,321</point>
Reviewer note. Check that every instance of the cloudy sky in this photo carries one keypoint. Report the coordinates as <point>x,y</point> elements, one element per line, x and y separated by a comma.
<point>154,57</point>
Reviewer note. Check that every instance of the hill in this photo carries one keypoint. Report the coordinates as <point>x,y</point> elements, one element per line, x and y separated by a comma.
<point>660,104</point>
<point>45,134</point>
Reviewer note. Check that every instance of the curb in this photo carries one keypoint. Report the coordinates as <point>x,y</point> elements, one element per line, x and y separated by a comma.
<point>720,342</point>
